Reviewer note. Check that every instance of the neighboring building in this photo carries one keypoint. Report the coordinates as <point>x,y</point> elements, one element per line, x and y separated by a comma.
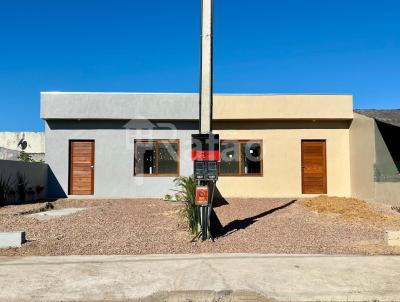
<point>375,155</point>
<point>134,145</point>
<point>12,143</point>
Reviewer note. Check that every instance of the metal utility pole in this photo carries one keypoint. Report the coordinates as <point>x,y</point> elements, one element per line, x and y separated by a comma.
<point>206,82</point>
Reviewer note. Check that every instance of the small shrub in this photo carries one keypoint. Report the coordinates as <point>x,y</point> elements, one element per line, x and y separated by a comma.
<point>168,197</point>
<point>22,183</point>
<point>187,190</point>
<point>5,188</point>
<point>25,157</point>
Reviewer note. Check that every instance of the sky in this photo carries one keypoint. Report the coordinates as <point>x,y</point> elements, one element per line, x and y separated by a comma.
<point>261,46</point>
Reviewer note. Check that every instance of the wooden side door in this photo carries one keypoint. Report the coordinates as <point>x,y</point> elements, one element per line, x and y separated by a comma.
<point>81,167</point>
<point>313,164</point>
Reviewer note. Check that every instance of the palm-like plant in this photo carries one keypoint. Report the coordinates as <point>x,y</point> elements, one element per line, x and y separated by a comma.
<point>187,190</point>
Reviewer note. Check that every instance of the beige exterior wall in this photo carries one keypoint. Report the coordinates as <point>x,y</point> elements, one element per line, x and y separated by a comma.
<point>362,157</point>
<point>301,107</point>
<point>282,157</point>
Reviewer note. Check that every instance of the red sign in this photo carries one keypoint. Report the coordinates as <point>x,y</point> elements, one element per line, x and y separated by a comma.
<point>205,155</point>
<point>202,196</point>
<point>205,147</point>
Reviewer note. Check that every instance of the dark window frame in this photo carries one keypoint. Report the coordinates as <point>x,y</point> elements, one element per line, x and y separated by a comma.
<point>244,142</point>
<point>157,142</point>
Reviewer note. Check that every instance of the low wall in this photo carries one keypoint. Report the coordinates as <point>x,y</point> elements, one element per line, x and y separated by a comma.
<point>32,175</point>
<point>8,154</point>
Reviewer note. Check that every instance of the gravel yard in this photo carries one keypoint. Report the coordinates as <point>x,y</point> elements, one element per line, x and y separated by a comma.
<point>146,226</point>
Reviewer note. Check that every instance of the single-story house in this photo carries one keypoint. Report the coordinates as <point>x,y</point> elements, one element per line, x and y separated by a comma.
<point>135,144</point>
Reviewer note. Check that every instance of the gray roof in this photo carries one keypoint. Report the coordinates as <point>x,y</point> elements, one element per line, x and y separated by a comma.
<point>388,116</point>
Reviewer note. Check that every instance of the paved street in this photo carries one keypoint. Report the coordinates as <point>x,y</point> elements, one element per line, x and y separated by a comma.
<point>115,278</point>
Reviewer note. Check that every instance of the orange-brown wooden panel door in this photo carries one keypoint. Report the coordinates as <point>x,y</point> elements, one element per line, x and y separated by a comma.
<point>81,178</point>
<point>313,163</point>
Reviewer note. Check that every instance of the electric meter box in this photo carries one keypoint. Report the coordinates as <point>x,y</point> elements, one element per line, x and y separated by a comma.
<point>202,196</point>
<point>206,170</point>
<point>205,154</point>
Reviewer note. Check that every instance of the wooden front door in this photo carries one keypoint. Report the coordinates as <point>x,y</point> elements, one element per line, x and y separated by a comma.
<point>313,164</point>
<point>81,169</point>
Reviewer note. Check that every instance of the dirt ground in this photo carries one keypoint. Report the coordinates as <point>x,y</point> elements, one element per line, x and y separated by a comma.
<point>144,226</point>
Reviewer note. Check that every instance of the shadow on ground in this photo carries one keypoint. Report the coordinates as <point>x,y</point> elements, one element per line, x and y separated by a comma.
<point>219,200</point>
<point>218,230</point>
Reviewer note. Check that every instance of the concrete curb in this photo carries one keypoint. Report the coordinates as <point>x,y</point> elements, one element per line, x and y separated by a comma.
<point>11,239</point>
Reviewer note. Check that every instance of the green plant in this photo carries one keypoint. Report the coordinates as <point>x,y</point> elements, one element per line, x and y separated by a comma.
<point>178,197</point>
<point>4,189</point>
<point>168,197</point>
<point>187,190</point>
<point>25,157</point>
<point>22,183</point>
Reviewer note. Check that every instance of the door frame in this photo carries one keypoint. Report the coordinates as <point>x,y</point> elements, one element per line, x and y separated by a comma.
<point>325,184</point>
<point>70,163</point>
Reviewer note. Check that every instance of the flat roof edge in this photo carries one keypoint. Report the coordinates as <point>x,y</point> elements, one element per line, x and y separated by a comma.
<point>276,119</point>
<point>271,119</point>
<point>134,93</point>
<point>194,93</point>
